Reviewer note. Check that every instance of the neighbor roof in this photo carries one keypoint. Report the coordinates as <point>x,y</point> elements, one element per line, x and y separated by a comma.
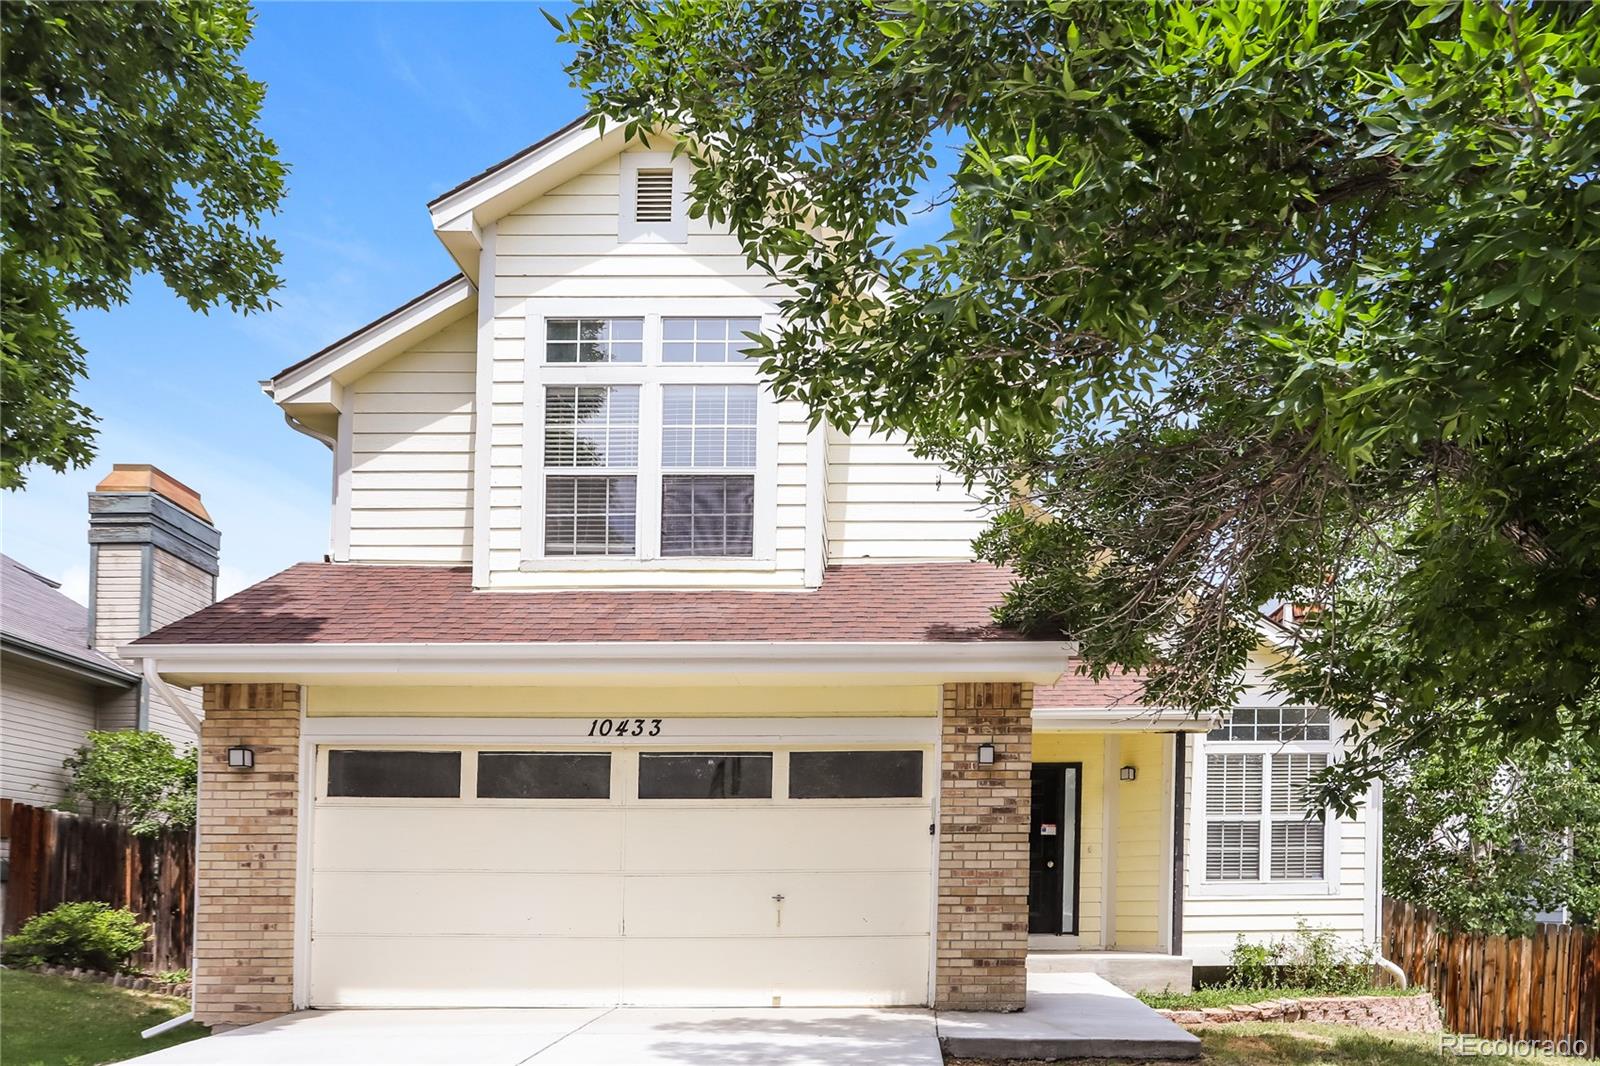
<point>37,618</point>
<point>344,603</point>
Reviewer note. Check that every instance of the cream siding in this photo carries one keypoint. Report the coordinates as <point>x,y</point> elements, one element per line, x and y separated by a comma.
<point>562,247</point>
<point>118,575</point>
<point>411,453</point>
<point>885,503</point>
<point>44,715</point>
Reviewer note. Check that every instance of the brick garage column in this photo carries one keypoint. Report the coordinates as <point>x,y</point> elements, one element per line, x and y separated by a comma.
<point>245,869</point>
<point>984,810</point>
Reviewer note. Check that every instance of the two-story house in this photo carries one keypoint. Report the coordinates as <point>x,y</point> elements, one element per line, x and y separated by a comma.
<point>623,684</point>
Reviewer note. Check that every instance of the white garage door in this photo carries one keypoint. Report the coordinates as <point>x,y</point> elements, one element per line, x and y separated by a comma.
<point>512,875</point>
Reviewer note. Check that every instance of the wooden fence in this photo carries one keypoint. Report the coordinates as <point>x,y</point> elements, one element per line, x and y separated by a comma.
<point>1540,987</point>
<point>65,858</point>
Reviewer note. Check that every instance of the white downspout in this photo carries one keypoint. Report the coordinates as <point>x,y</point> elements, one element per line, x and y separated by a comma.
<point>159,684</point>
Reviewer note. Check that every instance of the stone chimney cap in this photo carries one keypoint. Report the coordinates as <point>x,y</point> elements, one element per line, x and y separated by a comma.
<point>143,477</point>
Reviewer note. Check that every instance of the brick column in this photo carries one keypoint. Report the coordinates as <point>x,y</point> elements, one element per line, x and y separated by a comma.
<point>984,811</point>
<point>245,868</point>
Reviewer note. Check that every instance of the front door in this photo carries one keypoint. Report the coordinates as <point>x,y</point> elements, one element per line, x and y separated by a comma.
<point>1053,850</point>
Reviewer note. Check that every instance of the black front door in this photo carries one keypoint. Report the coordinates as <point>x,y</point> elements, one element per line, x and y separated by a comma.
<point>1051,903</point>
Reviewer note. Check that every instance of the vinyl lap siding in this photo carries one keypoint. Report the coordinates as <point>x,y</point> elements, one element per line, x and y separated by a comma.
<point>884,503</point>
<point>1212,922</point>
<point>563,246</point>
<point>117,578</point>
<point>44,717</point>
<point>178,590</point>
<point>411,453</point>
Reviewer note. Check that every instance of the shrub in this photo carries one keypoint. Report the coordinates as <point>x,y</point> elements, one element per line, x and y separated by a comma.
<point>1311,959</point>
<point>136,778</point>
<point>91,936</point>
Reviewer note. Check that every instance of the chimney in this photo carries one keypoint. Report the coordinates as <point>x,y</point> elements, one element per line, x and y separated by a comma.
<point>152,560</point>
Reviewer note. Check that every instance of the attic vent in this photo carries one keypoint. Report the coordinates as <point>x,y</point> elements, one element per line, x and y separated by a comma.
<point>653,195</point>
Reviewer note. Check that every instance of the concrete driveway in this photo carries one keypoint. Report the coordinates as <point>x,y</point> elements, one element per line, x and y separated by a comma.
<point>624,1036</point>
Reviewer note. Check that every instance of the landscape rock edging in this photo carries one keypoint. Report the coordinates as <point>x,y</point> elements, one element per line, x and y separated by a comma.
<point>120,980</point>
<point>1404,1014</point>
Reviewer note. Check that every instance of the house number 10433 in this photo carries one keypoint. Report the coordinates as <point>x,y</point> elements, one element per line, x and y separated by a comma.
<point>625,727</point>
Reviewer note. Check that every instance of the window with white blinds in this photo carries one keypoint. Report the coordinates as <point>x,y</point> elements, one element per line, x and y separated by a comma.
<point>1257,822</point>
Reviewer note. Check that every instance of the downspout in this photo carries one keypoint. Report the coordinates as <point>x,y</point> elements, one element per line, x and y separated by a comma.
<point>155,682</point>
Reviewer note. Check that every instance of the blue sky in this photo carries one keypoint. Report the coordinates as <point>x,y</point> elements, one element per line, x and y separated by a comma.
<point>377,108</point>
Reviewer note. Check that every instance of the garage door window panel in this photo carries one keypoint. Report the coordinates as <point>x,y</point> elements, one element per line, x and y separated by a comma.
<point>855,774</point>
<point>395,774</point>
<point>544,775</point>
<point>705,775</point>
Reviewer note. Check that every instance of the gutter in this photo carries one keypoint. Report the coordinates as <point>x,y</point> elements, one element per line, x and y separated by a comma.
<point>170,698</point>
<point>105,674</point>
<point>1040,662</point>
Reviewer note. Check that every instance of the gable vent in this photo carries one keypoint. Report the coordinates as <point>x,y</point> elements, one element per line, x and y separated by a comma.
<point>652,200</point>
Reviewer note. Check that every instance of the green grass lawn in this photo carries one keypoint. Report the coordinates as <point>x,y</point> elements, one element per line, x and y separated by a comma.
<point>1294,1044</point>
<point>55,1021</point>
<point>1227,997</point>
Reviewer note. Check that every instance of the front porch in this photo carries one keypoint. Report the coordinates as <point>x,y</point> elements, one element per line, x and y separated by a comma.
<point>1106,847</point>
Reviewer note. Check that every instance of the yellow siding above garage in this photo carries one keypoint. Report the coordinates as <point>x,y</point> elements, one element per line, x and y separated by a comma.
<point>774,701</point>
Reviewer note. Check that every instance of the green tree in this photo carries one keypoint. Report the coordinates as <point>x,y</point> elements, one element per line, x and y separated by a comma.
<point>135,777</point>
<point>130,146</point>
<point>1484,843</point>
<point>1239,302</point>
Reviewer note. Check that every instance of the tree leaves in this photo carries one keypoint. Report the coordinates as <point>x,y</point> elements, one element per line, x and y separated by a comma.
<point>131,146</point>
<point>1239,303</point>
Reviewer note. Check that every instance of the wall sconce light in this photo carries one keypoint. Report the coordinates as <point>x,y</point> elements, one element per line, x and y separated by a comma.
<point>985,754</point>
<point>1129,773</point>
<point>241,757</point>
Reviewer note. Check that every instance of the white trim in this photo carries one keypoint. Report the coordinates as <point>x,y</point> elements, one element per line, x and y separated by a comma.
<point>1164,881</point>
<point>390,333</point>
<point>1372,880</point>
<point>301,971</point>
<point>1265,887</point>
<point>1110,781</point>
<point>817,507</point>
<point>505,181</point>
<point>483,410</point>
<point>727,661</point>
<point>343,478</point>
<point>628,230</point>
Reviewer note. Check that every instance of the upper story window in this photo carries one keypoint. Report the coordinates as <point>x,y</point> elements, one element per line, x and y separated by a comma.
<point>594,340</point>
<point>707,340</point>
<point>644,451</point>
<point>1257,769</point>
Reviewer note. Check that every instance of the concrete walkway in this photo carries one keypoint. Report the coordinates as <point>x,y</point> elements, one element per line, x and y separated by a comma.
<point>572,1037</point>
<point>1069,1016</point>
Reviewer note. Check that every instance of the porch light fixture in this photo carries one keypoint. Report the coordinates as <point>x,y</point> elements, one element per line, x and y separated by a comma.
<point>1129,773</point>
<point>241,757</point>
<point>985,754</point>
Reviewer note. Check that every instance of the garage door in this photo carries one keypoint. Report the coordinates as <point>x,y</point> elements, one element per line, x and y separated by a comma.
<point>509,876</point>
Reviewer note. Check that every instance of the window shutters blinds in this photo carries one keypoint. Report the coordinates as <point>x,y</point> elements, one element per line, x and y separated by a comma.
<point>1290,774</point>
<point>652,200</point>
<point>1296,839</point>
<point>1233,784</point>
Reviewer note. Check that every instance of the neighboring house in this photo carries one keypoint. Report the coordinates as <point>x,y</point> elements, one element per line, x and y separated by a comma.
<point>152,560</point>
<point>623,683</point>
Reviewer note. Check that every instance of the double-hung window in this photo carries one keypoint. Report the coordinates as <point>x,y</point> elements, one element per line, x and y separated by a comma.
<point>1257,824</point>
<point>651,441</point>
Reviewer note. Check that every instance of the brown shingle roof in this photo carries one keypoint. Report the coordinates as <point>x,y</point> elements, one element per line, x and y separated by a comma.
<point>343,603</point>
<point>1077,690</point>
<point>33,611</point>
